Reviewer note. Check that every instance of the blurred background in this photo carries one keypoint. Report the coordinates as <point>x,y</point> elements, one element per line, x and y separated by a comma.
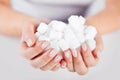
<point>14,67</point>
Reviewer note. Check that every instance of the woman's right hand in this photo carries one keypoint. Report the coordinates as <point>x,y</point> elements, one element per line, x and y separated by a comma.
<point>36,53</point>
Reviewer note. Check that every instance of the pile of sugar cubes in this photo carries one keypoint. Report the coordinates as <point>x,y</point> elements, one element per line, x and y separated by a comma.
<point>64,36</point>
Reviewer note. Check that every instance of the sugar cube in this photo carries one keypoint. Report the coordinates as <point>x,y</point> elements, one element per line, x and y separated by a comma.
<point>91,44</point>
<point>80,37</point>
<point>58,26</point>
<point>54,44</point>
<point>75,20</point>
<point>63,45</point>
<point>82,20</point>
<point>71,39</point>
<point>42,37</point>
<point>76,24</point>
<point>54,35</point>
<point>42,28</point>
<point>90,32</point>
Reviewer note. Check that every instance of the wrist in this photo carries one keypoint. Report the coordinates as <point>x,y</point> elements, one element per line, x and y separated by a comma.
<point>91,21</point>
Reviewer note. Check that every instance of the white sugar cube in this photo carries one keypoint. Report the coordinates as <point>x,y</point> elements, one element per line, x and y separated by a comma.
<point>76,20</point>
<point>91,44</point>
<point>90,32</point>
<point>42,28</point>
<point>88,37</point>
<point>37,34</point>
<point>52,23</point>
<point>67,36</point>
<point>80,37</point>
<point>54,44</point>
<point>58,26</point>
<point>71,39</point>
<point>81,29</point>
<point>73,20</point>
<point>63,45</point>
<point>77,29</point>
<point>82,20</point>
<point>42,37</point>
<point>54,35</point>
<point>74,44</point>
<point>76,24</point>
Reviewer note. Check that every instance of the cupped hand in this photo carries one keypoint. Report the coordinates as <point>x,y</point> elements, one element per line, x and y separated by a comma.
<point>36,51</point>
<point>85,57</point>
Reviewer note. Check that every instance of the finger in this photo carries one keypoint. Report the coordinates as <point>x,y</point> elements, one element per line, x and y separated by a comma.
<point>63,64</point>
<point>44,59</point>
<point>99,45</point>
<point>23,45</point>
<point>52,63</point>
<point>29,29</point>
<point>28,34</point>
<point>88,57</point>
<point>68,59</point>
<point>32,52</point>
<point>79,64</point>
<point>45,20</point>
<point>56,68</point>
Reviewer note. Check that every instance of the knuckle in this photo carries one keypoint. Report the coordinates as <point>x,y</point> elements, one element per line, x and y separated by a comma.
<point>69,61</point>
<point>83,72</point>
<point>87,55</point>
<point>92,64</point>
<point>56,69</point>
<point>78,63</point>
<point>44,59</point>
<point>49,66</point>
<point>43,69</point>
<point>71,70</point>
<point>34,64</point>
<point>25,55</point>
<point>37,49</point>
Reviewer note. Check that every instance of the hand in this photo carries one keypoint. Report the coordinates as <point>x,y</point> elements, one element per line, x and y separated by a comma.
<point>36,52</point>
<point>85,57</point>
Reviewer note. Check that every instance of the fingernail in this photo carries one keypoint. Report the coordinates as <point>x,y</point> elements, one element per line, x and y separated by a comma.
<point>74,52</point>
<point>84,47</point>
<point>64,66</point>
<point>53,53</point>
<point>58,58</point>
<point>29,42</point>
<point>67,54</point>
<point>45,45</point>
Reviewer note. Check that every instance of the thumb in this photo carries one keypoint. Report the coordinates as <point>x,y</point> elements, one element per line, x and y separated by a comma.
<point>99,45</point>
<point>28,34</point>
<point>99,42</point>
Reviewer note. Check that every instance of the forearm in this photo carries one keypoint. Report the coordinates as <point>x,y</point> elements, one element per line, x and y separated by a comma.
<point>107,20</point>
<point>11,22</point>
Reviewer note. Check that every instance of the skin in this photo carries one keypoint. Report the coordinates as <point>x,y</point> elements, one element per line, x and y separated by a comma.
<point>26,26</point>
<point>30,49</point>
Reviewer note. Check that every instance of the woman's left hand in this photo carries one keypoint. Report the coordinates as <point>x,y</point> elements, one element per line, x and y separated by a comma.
<point>85,57</point>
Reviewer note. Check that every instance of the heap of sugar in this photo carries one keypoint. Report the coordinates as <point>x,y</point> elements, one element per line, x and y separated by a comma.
<point>64,36</point>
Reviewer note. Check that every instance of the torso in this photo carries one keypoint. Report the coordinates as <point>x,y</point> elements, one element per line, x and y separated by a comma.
<point>52,9</point>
